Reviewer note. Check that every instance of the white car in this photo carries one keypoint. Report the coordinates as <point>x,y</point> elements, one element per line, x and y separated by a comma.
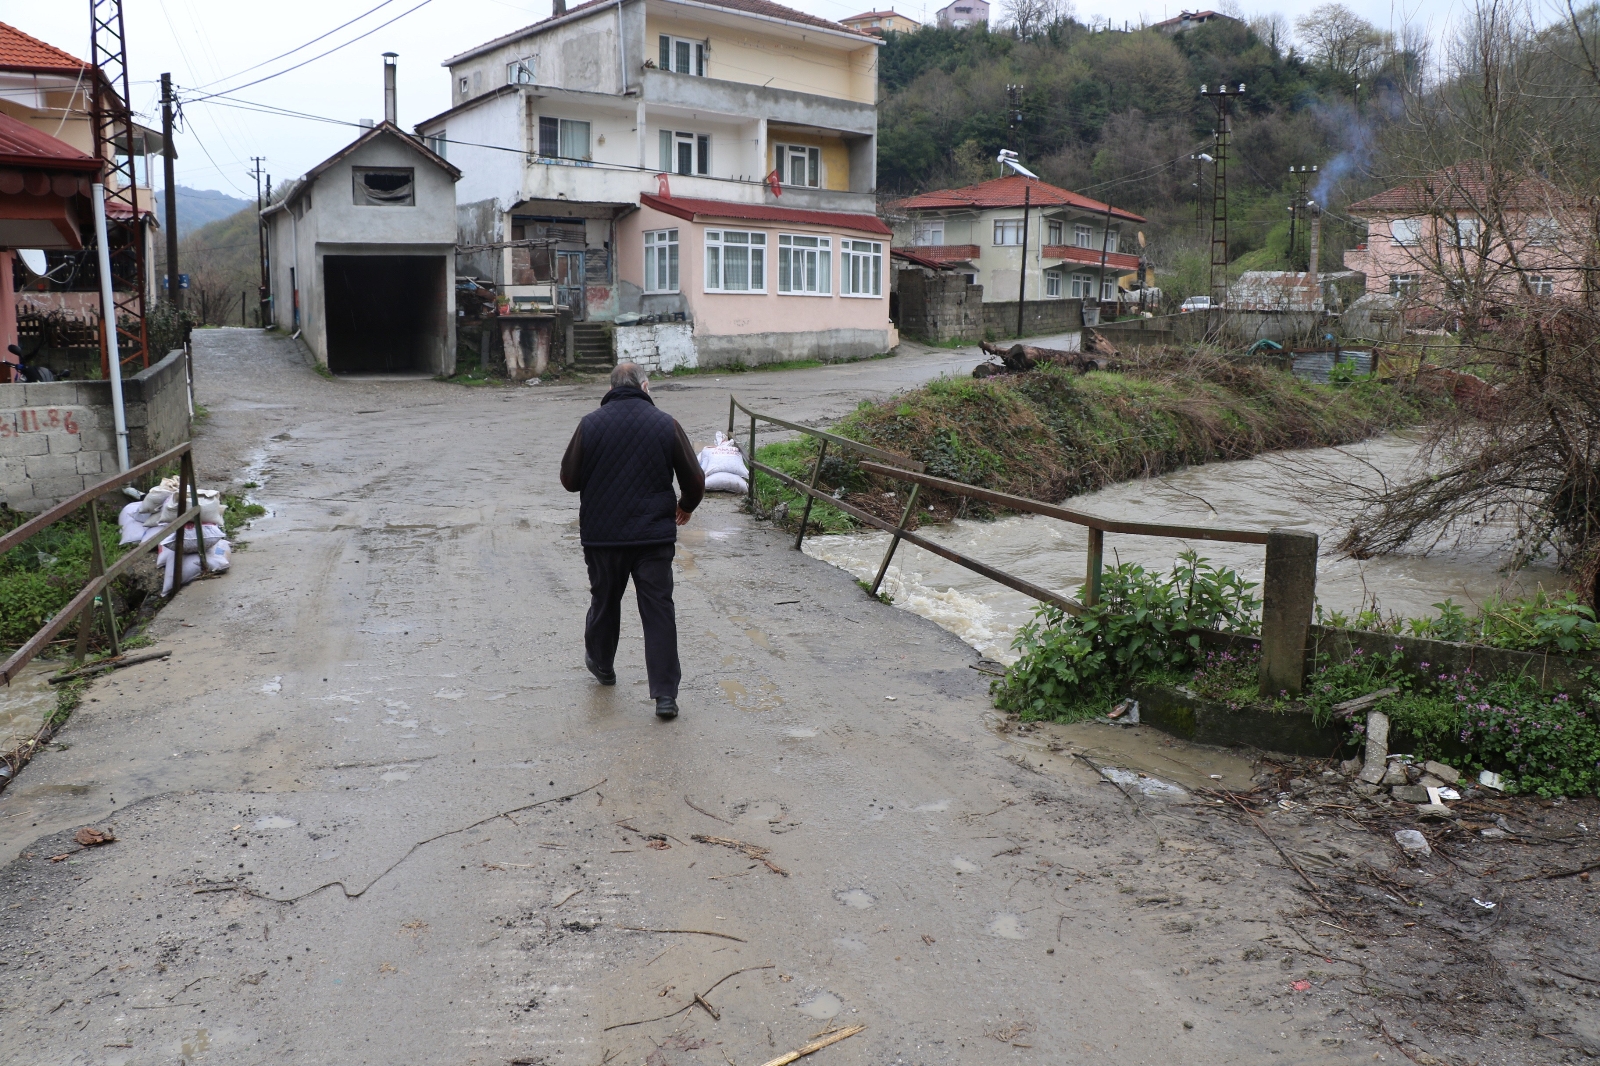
<point>1195,303</point>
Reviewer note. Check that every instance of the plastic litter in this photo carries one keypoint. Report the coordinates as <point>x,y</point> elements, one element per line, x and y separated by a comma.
<point>1489,779</point>
<point>1124,713</point>
<point>1413,841</point>
<point>1486,906</point>
<point>723,465</point>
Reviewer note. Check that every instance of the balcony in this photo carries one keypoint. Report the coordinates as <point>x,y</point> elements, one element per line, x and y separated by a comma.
<point>736,99</point>
<point>1071,253</point>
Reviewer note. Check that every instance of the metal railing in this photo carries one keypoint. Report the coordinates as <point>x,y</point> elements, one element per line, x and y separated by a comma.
<point>1289,585</point>
<point>82,605</point>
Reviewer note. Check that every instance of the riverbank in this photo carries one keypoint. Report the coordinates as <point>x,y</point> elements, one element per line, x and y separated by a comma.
<point>1052,433</point>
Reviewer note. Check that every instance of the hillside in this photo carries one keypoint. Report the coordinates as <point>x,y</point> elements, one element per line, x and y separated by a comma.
<point>221,259</point>
<point>198,207</point>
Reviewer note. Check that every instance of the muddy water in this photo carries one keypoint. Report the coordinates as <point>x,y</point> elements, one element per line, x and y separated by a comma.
<point>1254,494</point>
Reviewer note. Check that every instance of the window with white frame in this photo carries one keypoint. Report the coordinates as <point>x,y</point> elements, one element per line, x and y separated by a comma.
<point>1082,286</point>
<point>563,138</point>
<point>1052,284</point>
<point>1543,231</point>
<point>1082,236</point>
<point>661,260</point>
<point>461,85</point>
<point>683,56</point>
<point>929,233</point>
<point>1404,284</point>
<point>1541,285</point>
<point>1467,230</point>
<point>685,153</point>
<point>521,71</point>
<point>1111,240</point>
<point>438,143</point>
<point>736,261</point>
<point>861,268</point>
<point>1108,290</point>
<point>1007,231</point>
<point>1405,230</point>
<point>798,164</point>
<point>805,265</point>
<point>1054,229</point>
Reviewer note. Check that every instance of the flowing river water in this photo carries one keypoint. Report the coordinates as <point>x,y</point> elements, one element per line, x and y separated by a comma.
<point>1263,493</point>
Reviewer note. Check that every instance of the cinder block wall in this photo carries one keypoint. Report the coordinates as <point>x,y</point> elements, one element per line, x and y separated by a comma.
<point>941,307</point>
<point>1039,317</point>
<point>58,439</point>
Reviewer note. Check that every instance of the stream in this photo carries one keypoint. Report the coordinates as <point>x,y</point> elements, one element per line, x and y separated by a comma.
<point>1261,493</point>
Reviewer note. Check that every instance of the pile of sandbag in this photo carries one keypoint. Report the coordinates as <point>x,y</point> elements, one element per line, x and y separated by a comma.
<point>723,464</point>
<point>144,518</point>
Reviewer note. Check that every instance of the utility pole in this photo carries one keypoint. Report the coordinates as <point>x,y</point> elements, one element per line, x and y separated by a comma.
<point>1014,108</point>
<point>169,154</point>
<point>1022,274</point>
<point>116,142</point>
<point>1297,203</point>
<point>261,238</point>
<point>1105,247</point>
<point>1222,101</point>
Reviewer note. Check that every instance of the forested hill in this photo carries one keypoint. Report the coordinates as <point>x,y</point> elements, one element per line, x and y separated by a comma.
<point>1116,114</point>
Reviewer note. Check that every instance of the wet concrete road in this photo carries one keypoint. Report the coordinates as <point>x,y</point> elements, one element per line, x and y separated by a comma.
<point>396,659</point>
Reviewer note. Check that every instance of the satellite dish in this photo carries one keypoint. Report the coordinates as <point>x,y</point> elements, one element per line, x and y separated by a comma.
<point>1141,238</point>
<point>33,259</point>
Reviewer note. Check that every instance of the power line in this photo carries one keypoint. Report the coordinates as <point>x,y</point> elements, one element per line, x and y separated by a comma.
<point>296,48</point>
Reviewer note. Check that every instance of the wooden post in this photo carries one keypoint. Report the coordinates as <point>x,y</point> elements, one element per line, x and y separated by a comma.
<point>732,404</point>
<point>99,561</point>
<point>1091,582</point>
<point>199,520</point>
<point>894,541</point>
<point>805,515</point>
<point>1289,592</point>
<point>750,461</point>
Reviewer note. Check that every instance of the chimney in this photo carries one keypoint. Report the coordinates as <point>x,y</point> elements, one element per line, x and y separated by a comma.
<point>558,8</point>
<point>389,109</point>
<point>1312,283</point>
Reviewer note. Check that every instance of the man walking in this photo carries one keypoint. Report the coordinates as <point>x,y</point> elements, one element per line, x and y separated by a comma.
<point>622,458</point>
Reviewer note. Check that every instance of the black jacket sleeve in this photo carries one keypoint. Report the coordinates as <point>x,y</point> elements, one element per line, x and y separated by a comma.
<point>572,461</point>
<point>691,479</point>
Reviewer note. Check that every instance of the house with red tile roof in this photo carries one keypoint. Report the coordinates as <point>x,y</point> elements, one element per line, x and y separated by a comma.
<point>1467,228</point>
<point>1077,248</point>
<point>882,22</point>
<point>706,165</point>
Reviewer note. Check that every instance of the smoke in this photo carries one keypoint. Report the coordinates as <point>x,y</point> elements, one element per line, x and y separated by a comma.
<point>1354,136</point>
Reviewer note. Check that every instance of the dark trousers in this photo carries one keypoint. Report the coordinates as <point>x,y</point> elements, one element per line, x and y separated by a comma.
<point>650,566</point>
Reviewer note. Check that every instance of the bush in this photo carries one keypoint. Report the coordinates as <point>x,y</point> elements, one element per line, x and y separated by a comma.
<point>41,576</point>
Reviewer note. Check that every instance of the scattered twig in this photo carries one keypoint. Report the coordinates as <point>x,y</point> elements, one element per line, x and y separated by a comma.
<point>1554,875</point>
<point>570,893</point>
<point>699,998</point>
<point>709,1009</point>
<point>109,664</point>
<point>1315,889</point>
<point>750,851</point>
<point>703,811</point>
<point>701,932</point>
<point>815,1045</point>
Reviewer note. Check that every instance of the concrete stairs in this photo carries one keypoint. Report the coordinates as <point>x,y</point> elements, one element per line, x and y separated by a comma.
<point>592,351</point>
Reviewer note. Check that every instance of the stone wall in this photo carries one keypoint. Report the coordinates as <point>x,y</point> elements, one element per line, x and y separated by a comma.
<point>939,307</point>
<point>658,347</point>
<point>58,439</point>
<point>1039,318</point>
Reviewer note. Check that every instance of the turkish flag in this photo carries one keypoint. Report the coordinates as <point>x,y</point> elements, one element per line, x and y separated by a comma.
<point>775,182</point>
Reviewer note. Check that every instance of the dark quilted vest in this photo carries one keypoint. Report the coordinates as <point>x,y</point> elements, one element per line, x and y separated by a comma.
<point>627,495</point>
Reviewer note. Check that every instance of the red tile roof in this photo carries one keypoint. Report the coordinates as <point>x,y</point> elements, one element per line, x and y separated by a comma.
<point>18,51</point>
<point>23,146</point>
<point>697,210</point>
<point>1008,192</point>
<point>1071,253</point>
<point>763,8</point>
<point>945,254</point>
<point>873,15</point>
<point>1463,187</point>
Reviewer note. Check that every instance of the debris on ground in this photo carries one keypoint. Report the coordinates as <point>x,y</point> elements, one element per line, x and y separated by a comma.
<point>1125,713</point>
<point>91,837</point>
<point>1377,752</point>
<point>1414,842</point>
<point>750,851</point>
<point>1097,354</point>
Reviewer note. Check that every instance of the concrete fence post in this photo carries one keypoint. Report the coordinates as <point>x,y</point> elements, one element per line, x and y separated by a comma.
<point>1289,592</point>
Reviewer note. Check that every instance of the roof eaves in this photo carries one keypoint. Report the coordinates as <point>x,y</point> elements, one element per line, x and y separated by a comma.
<point>822,25</point>
<point>581,11</point>
<point>493,94</point>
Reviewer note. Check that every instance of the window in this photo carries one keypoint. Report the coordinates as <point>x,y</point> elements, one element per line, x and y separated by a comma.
<point>1467,230</point>
<point>462,85</point>
<point>563,138</point>
<point>929,234</point>
<point>861,268</point>
<point>437,143</point>
<point>685,153</point>
<point>799,164</point>
<point>683,57</point>
<point>805,265</point>
<point>1108,290</point>
<point>1111,240</point>
<point>736,261</point>
<point>1405,230</point>
<point>384,186</point>
<point>1052,282</point>
<point>1007,231</point>
<point>520,71</point>
<point>661,260</point>
<point>1404,284</point>
<point>1082,286</point>
<point>1082,236</point>
<point>1056,228</point>
<point>1543,231</point>
<point>1541,285</point>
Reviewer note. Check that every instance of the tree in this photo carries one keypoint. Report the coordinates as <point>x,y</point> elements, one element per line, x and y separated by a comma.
<point>1032,16</point>
<point>1342,42</point>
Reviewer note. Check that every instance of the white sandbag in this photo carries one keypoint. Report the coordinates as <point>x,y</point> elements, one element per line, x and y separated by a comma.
<point>212,534</point>
<point>723,457</point>
<point>211,508</point>
<point>219,559</point>
<point>156,497</point>
<point>131,522</point>
<point>722,481</point>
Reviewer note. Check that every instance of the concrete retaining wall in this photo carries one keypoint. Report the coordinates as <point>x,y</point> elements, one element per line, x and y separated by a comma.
<point>753,349</point>
<point>1039,318</point>
<point>58,439</point>
<point>660,348</point>
<point>939,307</point>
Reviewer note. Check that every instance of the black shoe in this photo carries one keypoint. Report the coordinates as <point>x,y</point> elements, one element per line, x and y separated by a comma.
<point>605,677</point>
<point>666,708</point>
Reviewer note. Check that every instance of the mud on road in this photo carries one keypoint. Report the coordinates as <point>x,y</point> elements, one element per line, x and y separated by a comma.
<point>381,714</point>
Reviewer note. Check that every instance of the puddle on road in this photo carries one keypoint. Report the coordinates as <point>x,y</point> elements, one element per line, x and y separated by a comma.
<point>275,821</point>
<point>822,1006</point>
<point>765,696</point>
<point>26,703</point>
<point>1007,927</point>
<point>800,732</point>
<point>858,898</point>
<point>1141,749</point>
<point>966,866</point>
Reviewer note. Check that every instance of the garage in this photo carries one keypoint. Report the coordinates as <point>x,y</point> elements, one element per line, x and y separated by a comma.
<point>385,313</point>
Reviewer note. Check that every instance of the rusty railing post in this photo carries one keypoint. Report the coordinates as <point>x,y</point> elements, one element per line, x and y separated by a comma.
<point>199,520</point>
<point>1288,594</point>
<point>750,461</point>
<point>99,562</point>
<point>894,539</point>
<point>86,619</point>
<point>805,515</point>
<point>732,403</point>
<point>1091,581</point>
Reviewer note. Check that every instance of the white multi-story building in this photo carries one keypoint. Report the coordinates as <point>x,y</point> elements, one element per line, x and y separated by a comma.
<point>711,162</point>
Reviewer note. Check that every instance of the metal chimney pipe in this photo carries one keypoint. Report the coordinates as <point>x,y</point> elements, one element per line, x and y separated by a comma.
<point>389,109</point>
<point>1316,249</point>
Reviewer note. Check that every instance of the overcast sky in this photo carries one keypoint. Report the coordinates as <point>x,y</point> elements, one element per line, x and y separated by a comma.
<point>209,45</point>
